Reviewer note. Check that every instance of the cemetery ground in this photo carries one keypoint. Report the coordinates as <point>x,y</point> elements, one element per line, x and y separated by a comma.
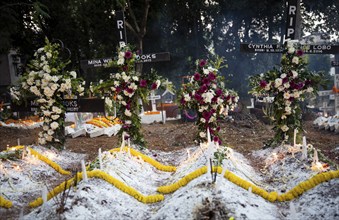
<point>168,143</point>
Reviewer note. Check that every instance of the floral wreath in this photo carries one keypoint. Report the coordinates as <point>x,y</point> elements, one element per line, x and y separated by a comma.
<point>125,88</point>
<point>206,94</point>
<point>47,81</point>
<point>289,85</point>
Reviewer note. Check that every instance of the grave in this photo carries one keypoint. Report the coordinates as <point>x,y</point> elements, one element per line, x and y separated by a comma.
<point>292,32</point>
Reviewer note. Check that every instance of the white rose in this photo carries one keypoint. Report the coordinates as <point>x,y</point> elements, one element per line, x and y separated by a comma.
<point>47,113</point>
<point>203,120</point>
<point>117,75</point>
<point>288,110</point>
<point>294,73</point>
<point>50,132</point>
<point>309,89</point>
<point>49,138</point>
<point>46,69</point>
<point>283,76</point>
<point>80,89</point>
<point>42,58</point>
<point>37,82</point>
<point>128,122</point>
<point>121,61</point>
<point>295,60</point>
<point>287,95</point>
<point>296,94</point>
<point>202,134</point>
<point>158,82</point>
<point>41,49</point>
<point>48,55</point>
<point>45,128</point>
<point>277,82</point>
<point>116,83</point>
<point>119,97</point>
<point>135,78</point>
<point>56,109</point>
<point>291,49</point>
<point>47,77</point>
<point>73,74</point>
<point>128,113</point>
<point>54,125</point>
<point>123,103</point>
<point>287,85</point>
<point>54,86</point>
<point>284,128</point>
<point>42,141</point>
<point>48,92</point>
<point>55,117</point>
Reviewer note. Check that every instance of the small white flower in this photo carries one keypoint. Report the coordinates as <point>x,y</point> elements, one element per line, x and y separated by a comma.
<point>48,55</point>
<point>55,117</point>
<point>287,95</point>
<point>202,134</point>
<point>54,125</point>
<point>121,61</point>
<point>284,128</point>
<point>288,110</point>
<point>50,132</point>
<point>294,74</point>
<point>54,86</point>
<point>287,85</point>
<point>187,97</point>
<point>47,69</point>
<point>128,122</point>
<point>47,113</point>
<point>135,78</point>
<point>73,74</point>
<point>42,58</point>
<point>295,60</point>
<point>291,50</point>
<point>56,109</point>
<point>128,113</point>
<point>277,82</point>
<point>203,120</point>
<point>296,94</point>
<point>309,89</point>
<point>283,76</point>
<point>42,141</point>
<point>123,103</point>
<point>119,97</point>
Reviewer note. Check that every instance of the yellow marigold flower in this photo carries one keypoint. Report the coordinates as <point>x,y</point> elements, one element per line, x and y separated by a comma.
<point>5,203</point>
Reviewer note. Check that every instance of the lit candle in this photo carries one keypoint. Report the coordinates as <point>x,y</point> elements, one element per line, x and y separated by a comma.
<point>84,173</point>
<point>18,140</point>
<point>129,142</point>
<point>208,136</point>
<point>100,159</point>
<point>129,151</point>
<point>295,137</point>
<point>304,149</point>
<point>315,156</point>
<point>44,194</point>
<point>188,154</point>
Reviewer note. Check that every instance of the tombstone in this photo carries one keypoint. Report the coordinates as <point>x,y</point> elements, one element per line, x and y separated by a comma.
<point>154,115</point>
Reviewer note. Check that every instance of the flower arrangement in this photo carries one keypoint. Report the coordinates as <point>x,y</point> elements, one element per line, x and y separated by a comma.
<point>127,87</point>
<point>47,82</point>
<point>289,85</point>
<point>206,94</point>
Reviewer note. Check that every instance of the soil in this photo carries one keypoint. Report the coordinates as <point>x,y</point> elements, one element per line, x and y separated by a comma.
<point>245,133</point>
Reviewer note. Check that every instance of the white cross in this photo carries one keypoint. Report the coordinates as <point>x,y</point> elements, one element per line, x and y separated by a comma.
<point>152,98</point>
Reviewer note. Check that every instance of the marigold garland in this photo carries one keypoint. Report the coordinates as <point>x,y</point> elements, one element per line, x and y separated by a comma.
<point>292,194</point>
<point>51,163</point>
<point>147,159</point>
<point>186,179</point>
<point>104,176</point>
<point>5,203</point>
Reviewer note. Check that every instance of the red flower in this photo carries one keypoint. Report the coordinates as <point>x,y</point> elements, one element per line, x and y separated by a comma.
<point>202,63</point>
<point>143,83</point>
<point>196,77</point>
<point>128,54</point>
